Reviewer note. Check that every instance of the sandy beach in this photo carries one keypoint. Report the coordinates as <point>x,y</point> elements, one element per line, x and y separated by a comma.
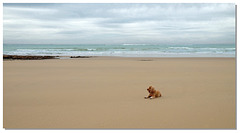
<point>108,92</point>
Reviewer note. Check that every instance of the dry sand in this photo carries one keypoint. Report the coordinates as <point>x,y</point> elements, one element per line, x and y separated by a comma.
<point>108,92</point>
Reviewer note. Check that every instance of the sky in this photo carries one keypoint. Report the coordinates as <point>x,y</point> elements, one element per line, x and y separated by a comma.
<point>119,23</point>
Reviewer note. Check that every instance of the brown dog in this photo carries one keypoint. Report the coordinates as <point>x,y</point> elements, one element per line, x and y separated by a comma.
<point>153,93</point>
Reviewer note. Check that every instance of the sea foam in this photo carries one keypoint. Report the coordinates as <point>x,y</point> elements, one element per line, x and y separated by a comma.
<point>125,50</point>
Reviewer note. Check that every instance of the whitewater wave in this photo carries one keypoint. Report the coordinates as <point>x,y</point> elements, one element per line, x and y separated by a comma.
<point>131,50</point>
<point>134,44</point>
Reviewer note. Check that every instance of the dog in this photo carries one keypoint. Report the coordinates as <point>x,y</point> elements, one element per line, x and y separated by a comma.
<point>153,93</point>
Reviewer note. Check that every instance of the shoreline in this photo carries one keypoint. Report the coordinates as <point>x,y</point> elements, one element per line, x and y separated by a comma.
<point>121,50</point>
<point>36,57</point>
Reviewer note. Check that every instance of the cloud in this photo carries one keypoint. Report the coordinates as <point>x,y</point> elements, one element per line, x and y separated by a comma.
<point>118,23</point>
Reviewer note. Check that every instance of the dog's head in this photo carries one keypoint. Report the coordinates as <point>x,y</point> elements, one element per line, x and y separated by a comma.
<point>150,89</point>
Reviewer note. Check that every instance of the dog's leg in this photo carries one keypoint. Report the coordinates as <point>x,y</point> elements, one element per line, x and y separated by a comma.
<point>149,96</point>
<point>152,97</point>
<point>158,94</point>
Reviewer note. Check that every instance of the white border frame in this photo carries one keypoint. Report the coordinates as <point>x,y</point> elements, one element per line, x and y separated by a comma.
<point>2,130</point>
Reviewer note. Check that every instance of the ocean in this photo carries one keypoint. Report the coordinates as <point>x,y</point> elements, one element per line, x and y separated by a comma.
<point>122,50</point>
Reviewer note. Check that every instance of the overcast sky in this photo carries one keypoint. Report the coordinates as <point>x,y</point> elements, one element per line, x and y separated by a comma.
<point>118,23</point>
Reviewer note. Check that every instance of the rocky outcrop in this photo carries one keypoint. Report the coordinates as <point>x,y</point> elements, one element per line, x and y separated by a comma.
<point>20,57</point>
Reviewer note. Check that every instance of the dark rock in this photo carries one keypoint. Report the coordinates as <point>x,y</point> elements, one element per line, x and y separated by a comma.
<point>21,57</point>
<point>146,60</point>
